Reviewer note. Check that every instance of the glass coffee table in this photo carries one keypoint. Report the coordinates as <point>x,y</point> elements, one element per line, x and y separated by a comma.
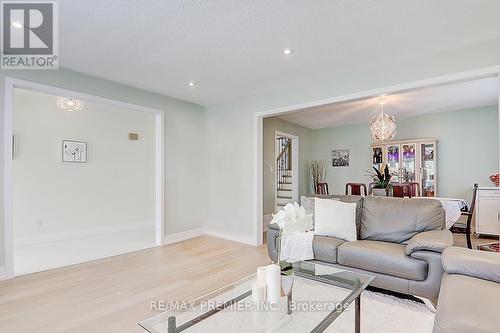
<point>319,295</point>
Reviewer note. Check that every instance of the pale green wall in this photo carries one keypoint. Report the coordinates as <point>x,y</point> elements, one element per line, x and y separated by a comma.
<point>467,148</point>
<point>357,139</point>
<point>271,125</point>
<point>231,170</point>
<point>185,133</point>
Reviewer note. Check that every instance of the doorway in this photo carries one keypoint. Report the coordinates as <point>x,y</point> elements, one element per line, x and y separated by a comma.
<point>81,184</point>
<point>286,186</point>
<point>350,139</point>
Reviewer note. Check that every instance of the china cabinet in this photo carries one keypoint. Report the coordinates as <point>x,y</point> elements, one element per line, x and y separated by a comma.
<point>409,161</point>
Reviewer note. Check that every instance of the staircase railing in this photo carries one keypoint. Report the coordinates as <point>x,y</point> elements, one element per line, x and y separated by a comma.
<point>283,161</point>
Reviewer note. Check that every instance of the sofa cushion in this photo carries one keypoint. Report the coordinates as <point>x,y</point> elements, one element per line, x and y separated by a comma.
<point>325,248</point>
<point>335,218</point>
<point>382,257</point>
<point>396,220</point>
<point>467,304</point>
<point>308,203</point>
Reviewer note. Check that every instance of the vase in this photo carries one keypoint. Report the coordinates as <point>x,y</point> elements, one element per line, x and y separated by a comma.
<point>379,192</point>
<point>286,284</point>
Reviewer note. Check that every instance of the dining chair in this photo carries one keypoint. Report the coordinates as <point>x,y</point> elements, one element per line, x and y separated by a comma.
<point>415,189</point>
<point>469,214</point>
<point>355,189</point>
<point>322,188</point>
<point>401,190</point>
<point>371,186</point>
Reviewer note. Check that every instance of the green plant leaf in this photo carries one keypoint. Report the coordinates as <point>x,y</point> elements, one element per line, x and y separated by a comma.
<point>286,268</point>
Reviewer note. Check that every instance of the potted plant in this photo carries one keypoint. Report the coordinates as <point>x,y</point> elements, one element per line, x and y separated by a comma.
<point>382,181</point>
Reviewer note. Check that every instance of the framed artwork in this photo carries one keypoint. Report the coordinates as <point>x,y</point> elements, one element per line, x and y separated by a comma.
<point>340,157</point>
<point>74,151</point>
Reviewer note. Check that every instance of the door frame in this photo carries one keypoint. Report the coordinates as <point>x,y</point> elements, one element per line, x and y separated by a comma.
<point>481,73</point>
<point>295,166</point>
<point>160,157</point>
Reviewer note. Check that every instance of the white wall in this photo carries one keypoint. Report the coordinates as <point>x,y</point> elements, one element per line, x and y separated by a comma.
<point>231,126</point>
<point>113,190</point>
<point>467,148</point>
<point>185,183</point>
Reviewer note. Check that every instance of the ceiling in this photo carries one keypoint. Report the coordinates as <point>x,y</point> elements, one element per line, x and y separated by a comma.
<point>232,49</point>
<point>452,97</point>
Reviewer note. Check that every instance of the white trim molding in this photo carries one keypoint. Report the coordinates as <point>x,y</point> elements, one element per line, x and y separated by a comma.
<point>60,236</point>
<point>3,273</point>
<point>192,233</point>
<point>184,235</point>
<point>393,89</point>
<point>249,240</point>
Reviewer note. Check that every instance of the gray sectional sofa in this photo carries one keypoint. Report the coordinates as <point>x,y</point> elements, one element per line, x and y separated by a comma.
<point>469,300</point>
<point>399,242</point>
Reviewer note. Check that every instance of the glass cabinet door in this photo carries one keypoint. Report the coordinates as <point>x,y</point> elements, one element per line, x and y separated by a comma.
<point>377,157</point>
<point>428,153</point>
<point>408,166</point>
<point>393,162</point>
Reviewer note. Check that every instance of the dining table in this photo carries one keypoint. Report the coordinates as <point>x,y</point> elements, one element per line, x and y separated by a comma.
<point>452,207</point>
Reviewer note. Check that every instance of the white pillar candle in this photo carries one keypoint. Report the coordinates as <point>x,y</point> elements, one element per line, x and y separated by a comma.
<point>273,283</point>
<point>261,274</point>
<point>258,291</point>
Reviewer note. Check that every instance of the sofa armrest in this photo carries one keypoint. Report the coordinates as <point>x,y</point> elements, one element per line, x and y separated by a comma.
<point>274,226</point>
<point>434,240</point>
<point>272,241</point>
<point>479,264</point>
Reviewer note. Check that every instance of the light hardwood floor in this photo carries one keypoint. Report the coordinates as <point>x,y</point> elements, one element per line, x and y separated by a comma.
<point>113,294</point>
<point>459,240</point>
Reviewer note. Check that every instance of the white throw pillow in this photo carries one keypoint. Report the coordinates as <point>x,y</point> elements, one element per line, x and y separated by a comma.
<point>335,219</point>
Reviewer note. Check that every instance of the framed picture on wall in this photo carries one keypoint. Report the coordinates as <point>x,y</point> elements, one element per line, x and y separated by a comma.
<point>74,151</point>
<point>340,157</point>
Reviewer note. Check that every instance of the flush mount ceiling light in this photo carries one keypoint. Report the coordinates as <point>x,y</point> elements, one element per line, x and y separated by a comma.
<point>191,84</point>
<point>287,51</point>
<point>383,125</point>
<point>16,24</point>
<point>69,104</point>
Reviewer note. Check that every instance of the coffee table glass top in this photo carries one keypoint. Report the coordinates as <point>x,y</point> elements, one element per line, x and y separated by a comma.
<point>320,294</point>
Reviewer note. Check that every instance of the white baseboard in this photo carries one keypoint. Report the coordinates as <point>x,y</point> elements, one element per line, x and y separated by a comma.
<point>80,233</point>
<point>188,234</point>
<point>3,273</point>
<point>230,236</point>
<point>184,235</point>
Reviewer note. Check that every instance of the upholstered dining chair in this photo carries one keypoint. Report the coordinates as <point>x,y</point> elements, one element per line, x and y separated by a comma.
<point>356,189</point>
<point>322,188</point>
<point>415,189</point>
<point>401,190</point>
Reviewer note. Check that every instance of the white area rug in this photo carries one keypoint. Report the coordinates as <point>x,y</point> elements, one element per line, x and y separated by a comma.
<point>382,313</point>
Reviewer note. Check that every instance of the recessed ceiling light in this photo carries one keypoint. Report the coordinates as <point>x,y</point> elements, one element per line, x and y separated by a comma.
<point>287,51</point>
<point>191,84</point>
<point>16,24</point>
